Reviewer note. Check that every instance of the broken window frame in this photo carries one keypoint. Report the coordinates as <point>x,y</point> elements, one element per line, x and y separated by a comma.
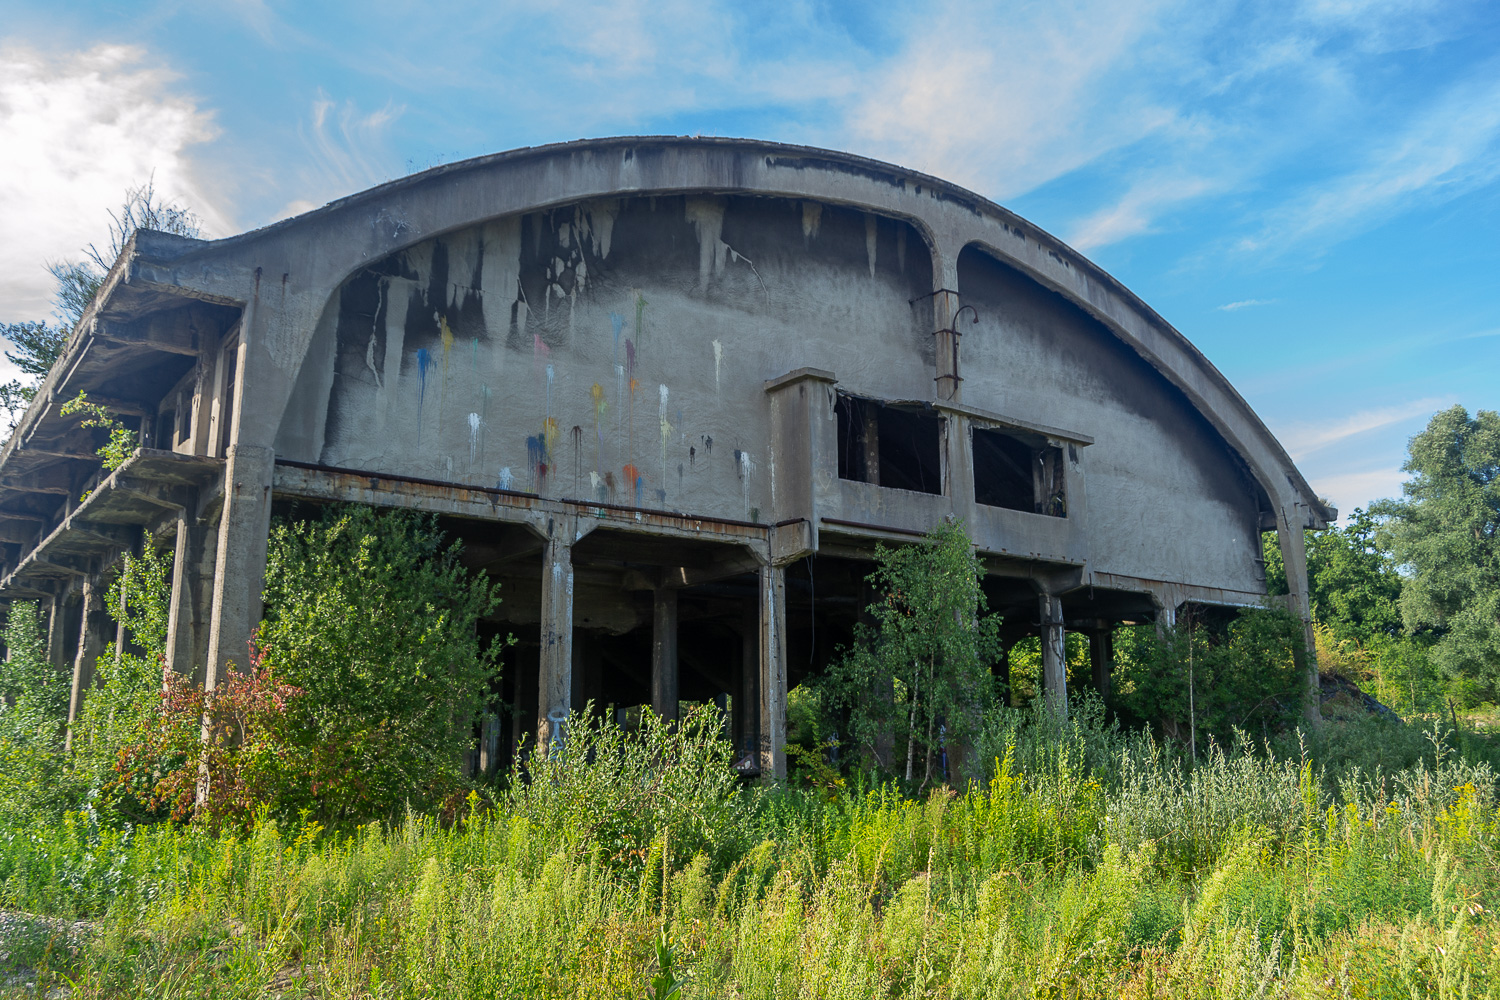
<point>903,458</point>
<point>1048,495</point>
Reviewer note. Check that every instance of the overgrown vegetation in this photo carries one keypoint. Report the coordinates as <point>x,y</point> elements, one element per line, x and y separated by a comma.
<point>917,678</point>
<point>308,828</point>
<point>1093,862</point>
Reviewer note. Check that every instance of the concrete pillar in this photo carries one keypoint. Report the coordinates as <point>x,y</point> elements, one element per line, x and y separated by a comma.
<point>57,616</point>
<point>93,639</point>
<point>870,442</point>
<point>773,672</point>
<point>1102,658</point>
<point>191,608</point>
<point>1054,654</point>
<point>747,697</point>
<point>555,673</point>
<point>240,560</point>
<point>945,307</point>
<point>664,693</point>
<point>1290,532</point>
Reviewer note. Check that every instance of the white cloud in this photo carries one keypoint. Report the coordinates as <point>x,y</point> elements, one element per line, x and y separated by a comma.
<point>1305,439</point>
<point>1246,304</point>
<point>80,129</point>
<point>1007,103</point>
<point>1134,214</point>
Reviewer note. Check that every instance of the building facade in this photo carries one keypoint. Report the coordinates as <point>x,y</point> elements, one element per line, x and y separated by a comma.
<point>671,392</point>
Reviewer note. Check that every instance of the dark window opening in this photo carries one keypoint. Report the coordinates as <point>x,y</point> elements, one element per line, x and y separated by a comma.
<point>166,430</point>
<point>889,445</point>
<point>1018,472</point>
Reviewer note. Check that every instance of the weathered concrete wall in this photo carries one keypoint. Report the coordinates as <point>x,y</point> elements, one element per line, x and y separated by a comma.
<point>611,350</point>
<point>1164,490</point>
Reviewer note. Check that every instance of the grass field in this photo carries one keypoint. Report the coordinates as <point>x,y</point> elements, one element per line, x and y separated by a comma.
<point>1092,863</point>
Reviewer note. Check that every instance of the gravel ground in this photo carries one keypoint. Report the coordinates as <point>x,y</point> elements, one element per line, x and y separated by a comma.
<point>23,935</point>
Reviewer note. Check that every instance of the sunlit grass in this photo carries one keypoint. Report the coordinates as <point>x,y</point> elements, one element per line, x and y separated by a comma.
<point>1085,866</point>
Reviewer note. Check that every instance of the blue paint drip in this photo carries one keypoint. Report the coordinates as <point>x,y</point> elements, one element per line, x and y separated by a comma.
<point>424,362</point>
<point>618,322</point>
<point>640,481</point>
<point>536,450</point>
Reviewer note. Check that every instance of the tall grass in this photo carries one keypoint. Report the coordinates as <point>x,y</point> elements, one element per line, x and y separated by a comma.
<point>1090,863</point>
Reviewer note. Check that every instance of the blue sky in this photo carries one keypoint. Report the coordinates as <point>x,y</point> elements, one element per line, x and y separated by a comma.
<point>1310,191</point>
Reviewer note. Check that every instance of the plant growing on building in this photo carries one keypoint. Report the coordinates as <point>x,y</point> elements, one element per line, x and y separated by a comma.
<point>122,440</point>
<point>917,679</point>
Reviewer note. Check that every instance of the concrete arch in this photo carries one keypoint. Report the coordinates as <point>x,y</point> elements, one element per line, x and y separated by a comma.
<point>285,274</point>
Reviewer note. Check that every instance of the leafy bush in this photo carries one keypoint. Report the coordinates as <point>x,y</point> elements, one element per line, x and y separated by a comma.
<point>367,677</point>
<point>932,637</point>
<point>33,711</point>
<point>664,789</point>
<point>1191,680</point>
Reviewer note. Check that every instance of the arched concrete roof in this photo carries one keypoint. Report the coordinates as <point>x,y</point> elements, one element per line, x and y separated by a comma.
<point>286,273</point>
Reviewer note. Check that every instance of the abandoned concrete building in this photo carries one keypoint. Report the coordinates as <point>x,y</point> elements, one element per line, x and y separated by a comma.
<point>671,392</point>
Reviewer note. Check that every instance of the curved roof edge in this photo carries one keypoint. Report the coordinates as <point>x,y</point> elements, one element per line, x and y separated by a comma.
<point>168,251</point>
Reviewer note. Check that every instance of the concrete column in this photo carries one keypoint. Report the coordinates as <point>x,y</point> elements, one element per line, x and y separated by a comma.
<point>1290,522</point>
<point>664,693</point>
<point>747,698</point>
<point>57,615</point>
<point>945,305</point>
<point>93,639</point>
<point>240,561</point>
<point>870,442</point>
<point>1102,658</point>
<point>1054,654</point>
<point>191,610</point>
<point>773,672</point>
<point>555,674</point>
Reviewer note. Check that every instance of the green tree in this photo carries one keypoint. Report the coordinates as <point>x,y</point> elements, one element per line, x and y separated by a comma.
<point>930,637</point>
<point>1353,581</point>
<point>373,618</point>
<point>1445,533</point>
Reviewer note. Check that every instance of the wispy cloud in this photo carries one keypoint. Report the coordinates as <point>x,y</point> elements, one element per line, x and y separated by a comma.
<point>1305,439</point>
<point>348,146</point>
<point>1009,101</point>
<point>81,129</point>
<point>1445,149</point>
<point>1246,304</point>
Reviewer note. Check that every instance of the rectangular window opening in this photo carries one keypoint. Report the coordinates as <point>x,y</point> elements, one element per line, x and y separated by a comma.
<point>899,446</point>
<point>1018,472</point>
